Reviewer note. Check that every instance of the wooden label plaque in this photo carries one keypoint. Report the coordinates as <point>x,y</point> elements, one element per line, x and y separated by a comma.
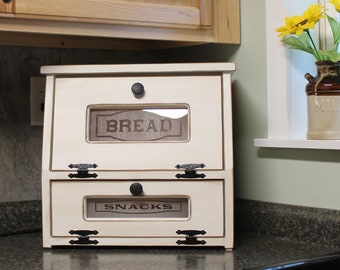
<point>114,124</point>
<point>132,207</point>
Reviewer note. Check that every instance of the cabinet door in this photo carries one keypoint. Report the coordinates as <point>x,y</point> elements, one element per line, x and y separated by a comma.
<point>178,13</point>
<point>6,6</point>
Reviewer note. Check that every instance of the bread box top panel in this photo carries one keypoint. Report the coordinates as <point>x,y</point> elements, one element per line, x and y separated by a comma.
<point>99,120</point>
<point>131,70</point>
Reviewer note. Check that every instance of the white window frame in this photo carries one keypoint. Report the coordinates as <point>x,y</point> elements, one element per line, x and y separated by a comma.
<point>287,113</point>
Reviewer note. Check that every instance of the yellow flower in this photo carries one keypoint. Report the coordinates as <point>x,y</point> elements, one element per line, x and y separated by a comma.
<point>297,24</point>
<point>313,14</point>
<point>292,26</point>
<point>336,4</point>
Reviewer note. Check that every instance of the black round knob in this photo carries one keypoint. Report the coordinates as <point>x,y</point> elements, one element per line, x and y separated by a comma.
<point>136,189</point>
<point>138,90</point>
<point>6,1</point>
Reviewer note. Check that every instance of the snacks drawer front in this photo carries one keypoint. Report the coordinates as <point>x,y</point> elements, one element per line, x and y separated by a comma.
<point>163,208</point>
<point>100,120</point>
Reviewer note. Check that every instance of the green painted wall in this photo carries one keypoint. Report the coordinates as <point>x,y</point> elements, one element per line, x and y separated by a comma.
<point>291,176</point>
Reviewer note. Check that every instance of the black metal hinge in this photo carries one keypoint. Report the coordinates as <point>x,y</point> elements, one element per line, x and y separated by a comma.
<point>83,238</point>
<point>82,170</point>
<point>191,238</point>
<point>190,171</point>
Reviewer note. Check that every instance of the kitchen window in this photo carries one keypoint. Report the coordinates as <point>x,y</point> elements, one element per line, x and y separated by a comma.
<point>287,112</point>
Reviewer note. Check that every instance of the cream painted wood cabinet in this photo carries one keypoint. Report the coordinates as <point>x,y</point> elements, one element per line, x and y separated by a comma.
<point>138,155</point>
<point>190,21</point>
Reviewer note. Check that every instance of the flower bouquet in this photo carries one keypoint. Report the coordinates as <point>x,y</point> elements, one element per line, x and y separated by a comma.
<point>296,32</point>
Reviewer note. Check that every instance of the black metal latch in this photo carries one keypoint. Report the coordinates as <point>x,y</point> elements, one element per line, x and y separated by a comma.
<point>191,238</point>
<point>83,238</point>
<point>190,171</point>
<point>82,170</point>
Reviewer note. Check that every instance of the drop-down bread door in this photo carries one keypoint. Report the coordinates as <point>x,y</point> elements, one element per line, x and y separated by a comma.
<point>174,120</point>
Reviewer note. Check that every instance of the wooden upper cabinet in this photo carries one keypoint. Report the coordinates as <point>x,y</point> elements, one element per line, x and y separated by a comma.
<point>166,13</point>
<point>195,21</point>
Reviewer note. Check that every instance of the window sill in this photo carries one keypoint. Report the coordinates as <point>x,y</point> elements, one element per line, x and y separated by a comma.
<point>298,143</point>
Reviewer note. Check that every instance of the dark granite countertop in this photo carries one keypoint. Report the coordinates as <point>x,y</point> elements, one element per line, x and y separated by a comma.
<point>24,251</point>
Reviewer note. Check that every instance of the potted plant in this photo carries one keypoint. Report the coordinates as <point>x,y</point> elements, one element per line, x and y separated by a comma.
<point>323,90</point>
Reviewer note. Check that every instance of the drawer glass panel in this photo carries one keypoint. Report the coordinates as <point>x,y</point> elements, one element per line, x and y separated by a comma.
<point>127,207</point>
<point>117,123</point>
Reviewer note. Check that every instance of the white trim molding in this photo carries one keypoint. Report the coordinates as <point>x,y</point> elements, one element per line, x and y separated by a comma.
<point>278,94</point>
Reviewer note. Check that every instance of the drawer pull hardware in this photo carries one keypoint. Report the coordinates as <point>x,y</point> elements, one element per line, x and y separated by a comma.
<point>190,171</point>
<point>83,238</point>
<point>136,189</point>
<point>82,170</point>
<point>138,90</point>
<point>191,238</point>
